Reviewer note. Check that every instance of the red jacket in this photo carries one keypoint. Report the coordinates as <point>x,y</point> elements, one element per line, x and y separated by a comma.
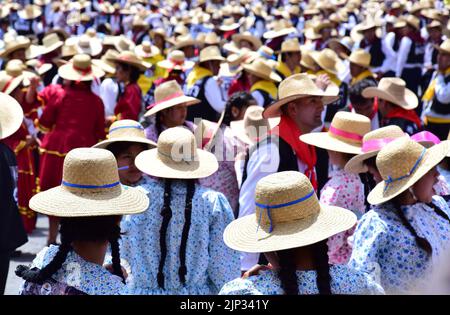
<point>129,104</point>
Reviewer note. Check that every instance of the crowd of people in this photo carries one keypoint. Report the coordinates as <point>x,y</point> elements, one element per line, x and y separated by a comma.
<point>226,146</point>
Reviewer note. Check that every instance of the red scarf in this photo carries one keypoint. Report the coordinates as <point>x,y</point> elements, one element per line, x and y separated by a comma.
<point>289,132</point>
<point>410,115</point>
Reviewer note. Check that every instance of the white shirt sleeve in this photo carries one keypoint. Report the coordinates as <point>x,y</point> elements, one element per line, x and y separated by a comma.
<point>258,98</point>
<point>213,95</point>
<point>442,90</point>
<point>108,93</point>
<point>402,56</point>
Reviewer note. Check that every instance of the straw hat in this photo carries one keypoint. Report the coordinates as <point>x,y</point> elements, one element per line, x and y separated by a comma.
<point>393,90</point>
<point>344,135</point>
<point>146,50</point>
<point>234,64</point>
<point>13,44</point>
<point>33,52</point>
<point>169,94</point>
<point>9,83</point>
<point>345,42</point>
<point>434,24</point>
<point>210,53</point>
<point>16,67</point>
<point>104,63</point>
<point>307,60</point>
<point>90,187</point>
<point>212,39</point>
<point>254,126</point>
<point>299,86</point>
<point>444,48</point>
<point>372,143</point>
<point>328,60</point>
<point>50,43</point>
<point>176,60</point>
<point>401,164</point>
<point>30,12</point>
<point>80,68</point>
<point>184,41</point>
<point>121,43</point>
<point>86,45</point>
<point>246,36</point>
<point>360,57</point>
<point>158,31</point>
<point>38,67</point>
<point>125,130</point>
<point>130,58</point>
<point>287,215</point>
<point>260,68</point>
<point>280,28</point>
<point>290,45</point>
<point>229,25</point>
<point>177,156</point>
<point>11,115</point>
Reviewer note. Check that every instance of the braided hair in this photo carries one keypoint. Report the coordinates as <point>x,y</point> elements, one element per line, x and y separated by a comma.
<point>320,254</point>
<point>158,124</point>
<point>239,100</point>
<point>287,272</point>
<point>166,214</point>
<point>85,229</point>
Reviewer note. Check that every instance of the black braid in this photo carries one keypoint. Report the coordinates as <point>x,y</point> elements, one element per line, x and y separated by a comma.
<point>158,124</point>
<point>320,252</point>
<point>287,272</point>
<point>421,242</point>
<point>166,213</point>
<point>439,211</point>
<point>115,252</point>
<point>190,190</point>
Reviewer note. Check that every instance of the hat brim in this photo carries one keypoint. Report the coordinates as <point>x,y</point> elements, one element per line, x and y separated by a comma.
<point>142,66</point>
<point>186,100</point>
<point>94,49</point>
<point>432,157</point>
<point>238,127</point>
<point>251,39</point>
<point>47,50</point>
<point>11,115</point>
<point>69,73</point>
<point>226,72</point>
<point>12,49</point>
<point>151,163</point>
<point>325,141</point>
<point>61,202</point>
<point>339,65</point>
<point>169,65</point>
<point>139,51</point>
<point>105,143</point>
<point>283,32</point>
<point>410,101</point>
<point>272,77</point>
<point>244,235</point>
<point>358,62</point>
<point>104,66</point>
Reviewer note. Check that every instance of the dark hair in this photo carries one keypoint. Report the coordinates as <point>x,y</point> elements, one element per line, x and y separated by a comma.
<point>287,272</point>
<point>238,100</point>
<point>158,124</point>
<point>120,146</point>
<point>86,229</point>
<point>355,91</point>
<point>166,213</point>
<point>134,72</point>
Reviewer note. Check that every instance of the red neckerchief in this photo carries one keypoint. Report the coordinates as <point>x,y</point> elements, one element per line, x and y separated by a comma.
<point>288,131</point>
<point>399,112</point>
<point>375,108</point>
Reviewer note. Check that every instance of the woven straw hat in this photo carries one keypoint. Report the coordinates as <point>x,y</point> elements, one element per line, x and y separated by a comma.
<point>360,57</point>
<point>307,60</point>
<point>11,115</point>
<point>288,215</point>
<point>50,43</point>
<point>298,86</point>
<point>434,24</point>
<point>254,126</point>
<point>125,130</point>
<point>184,41</point>
<point>444,47</point>
<point>9,83</point>
<point>104,62</point>
<point>210,53</point>
<point>38,67</point>
<point>33,52</point>
<point>401,164</point>
<point>121,43</point>
<point>393,90</point>
<point>176,60</point>
<point>280,28</point>
<point>372,143</point>
<point>229,25</point>
<point>130,58</point>
<point>212,39</point>
<point>260,68</point>
<point>169,94</point>
<point>90,187</point>
<point>234,63</point>
<point>80,68</point>
<point>16,67</point>
<point>247,36</point>
<point>345,134</point>
<point>177,156</point>
<point>146,50</point>
<point>290,45</point>
<point>30,12</point>
<point>14,43</point>
<point>85,44</point>
<point>328,60</point>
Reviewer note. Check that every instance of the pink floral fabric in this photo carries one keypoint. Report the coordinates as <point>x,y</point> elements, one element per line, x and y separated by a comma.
<point>347,191</point>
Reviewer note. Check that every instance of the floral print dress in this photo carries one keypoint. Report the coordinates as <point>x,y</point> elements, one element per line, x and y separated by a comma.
<point>384,247</point>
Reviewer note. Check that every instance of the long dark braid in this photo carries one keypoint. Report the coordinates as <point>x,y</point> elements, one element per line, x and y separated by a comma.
<point>320,254</point>
<point>115,253</point>
<point>190,190</point>
<point>287,272</point>
<point>166,214</point>
<point>439,211</point>
<point>158,124</point>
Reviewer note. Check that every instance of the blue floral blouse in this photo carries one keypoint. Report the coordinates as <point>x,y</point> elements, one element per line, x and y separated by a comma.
<point>343,281</point>
<point>210,263</point>
<point>384,247</point>
<point>85,276</point>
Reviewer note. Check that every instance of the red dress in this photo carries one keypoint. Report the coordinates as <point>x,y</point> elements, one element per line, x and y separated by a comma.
<point>27,185</point>
<point>73,117</point>
<point>129,104</point>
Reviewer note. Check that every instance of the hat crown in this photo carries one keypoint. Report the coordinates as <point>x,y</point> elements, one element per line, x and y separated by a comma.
<point>296,84</point>
<point>177,144</point>
<point>109,54</point>
<point>126,128</point>
<point>166,90</point>
<point>328,59</point>
<point>254,122</point>
<point>146,47</point>
<point>123,43</point>
<point>85,41</point>
<point>210,53</point>
<point>262,66</point>
<point>177,56</point>
<point>398,158</point>
<point>290,45</point>
<point>82,61</point>
<point>446,46</point>
<point>349,127</point>
<point>90,167</point>
<point>14,67</point>
<point>50,40</point>
<point>360,57</point>
<point>388,132</point>
<point>393,86</point>
<point>212,38</point>
<point>289,196</point>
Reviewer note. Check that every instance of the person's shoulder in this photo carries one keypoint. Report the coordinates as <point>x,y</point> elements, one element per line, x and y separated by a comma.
<point>347,280</point>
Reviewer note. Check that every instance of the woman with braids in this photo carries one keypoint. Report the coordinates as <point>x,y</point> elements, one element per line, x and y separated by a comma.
<point>176,246</point>
<point>291,228</point>
<point>400,239</point>
<point>90,202</point>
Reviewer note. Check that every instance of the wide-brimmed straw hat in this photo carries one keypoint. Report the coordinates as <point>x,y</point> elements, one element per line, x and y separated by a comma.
<point>287,215</point>
<point>247,36</point>
<point>14,44</point>
<point>90,187</point>
<point>125,130</point>
<point>345,134</point>
<point>234,64</point>
<point>372,143</point>
<point>210,53</point>
<point>401,164</point>
<point>290,45</point>
<point>254,126</point>
<point>130,58</point>
<point>307,61</point>
<point>50,43</point>
<point>360,57</point>
<point>80,68</point>
<point>9,83</point>
<point>260,68</point>
<point>328,60</point>
<point>229,25</point>
<point>30,12</point>
<point>11,115</point>
<point>121,43</point>
<point>176,60</point>
<point>177,156</point>
<point>85,44</point>
<point>104,62</point>
<point>393,90</point>
<point>39,67</point>
<point>212,39</point>
<point>146,50</point>
<point>169,94</point>
<point>184,41</point>
<point>434,24</point>
<point>444,47</point>
<point>299,86</point>
<point>280,28</point>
